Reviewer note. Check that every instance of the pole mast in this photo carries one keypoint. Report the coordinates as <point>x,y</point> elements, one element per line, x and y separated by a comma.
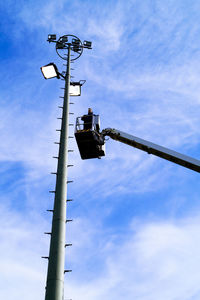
<point>56,258</point>
<point>55,273</point>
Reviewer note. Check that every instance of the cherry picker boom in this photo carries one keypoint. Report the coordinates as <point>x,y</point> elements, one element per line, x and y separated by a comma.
<point>91,144</point>
<point>151,148</point>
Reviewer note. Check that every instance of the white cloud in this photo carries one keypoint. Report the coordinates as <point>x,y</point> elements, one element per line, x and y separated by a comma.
<point>158,260</point>
<point>150,259</point>
<point>22,245</point>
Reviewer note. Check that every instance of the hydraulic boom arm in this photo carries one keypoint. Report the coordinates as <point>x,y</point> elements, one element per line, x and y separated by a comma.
<point>150,148</point>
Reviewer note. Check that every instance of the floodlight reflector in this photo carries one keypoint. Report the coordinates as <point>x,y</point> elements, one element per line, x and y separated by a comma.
<point>75,89</point>
<point>50,71</point>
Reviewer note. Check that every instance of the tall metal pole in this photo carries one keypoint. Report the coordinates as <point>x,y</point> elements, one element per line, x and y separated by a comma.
<point>55,273</point>
<point>56,258</point>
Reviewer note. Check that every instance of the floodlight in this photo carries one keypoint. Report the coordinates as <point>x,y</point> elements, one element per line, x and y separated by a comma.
<point>75,42</point>
<point>64,39</point>
<point>51,37</point>
<point>50,71</point>
<point>76,48</point>
<point>87,44</point>
<point>60,45</point>
<point>75,89</point>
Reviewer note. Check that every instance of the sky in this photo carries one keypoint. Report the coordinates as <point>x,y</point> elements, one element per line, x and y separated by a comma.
<point>136,217</point>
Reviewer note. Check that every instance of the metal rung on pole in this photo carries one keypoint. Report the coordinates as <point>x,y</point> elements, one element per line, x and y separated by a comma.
<point>67,271</point>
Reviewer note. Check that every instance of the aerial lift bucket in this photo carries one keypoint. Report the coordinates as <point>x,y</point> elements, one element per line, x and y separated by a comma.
<point>90,143</point>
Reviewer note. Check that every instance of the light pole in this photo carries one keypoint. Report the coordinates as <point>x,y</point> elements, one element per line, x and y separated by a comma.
<point>56,258</point>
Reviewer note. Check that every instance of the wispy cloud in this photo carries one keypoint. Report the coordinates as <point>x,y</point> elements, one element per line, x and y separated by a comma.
<point>154,259</point>
<point>153,263</point>
<point>21,265</point>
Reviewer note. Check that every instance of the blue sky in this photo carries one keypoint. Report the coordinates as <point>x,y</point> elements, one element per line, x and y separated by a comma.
<point>136,228</point>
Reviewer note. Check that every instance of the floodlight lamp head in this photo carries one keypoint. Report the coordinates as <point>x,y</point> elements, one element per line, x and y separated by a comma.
<point>60,45</point>
<point>50,71</point>
<point>75,42</point>
<point>76,48</point>
<point>51,37</point>
<point>87,44</point>
<point>75,88</point>
<point>64,39</point>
